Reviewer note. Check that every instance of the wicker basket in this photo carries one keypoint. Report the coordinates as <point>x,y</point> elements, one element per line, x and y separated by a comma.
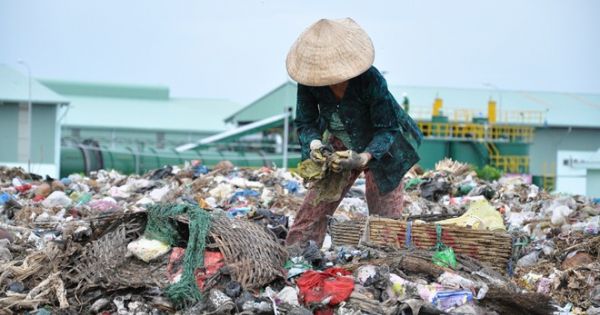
<point>252,254</point>
<point>492,248</point>
<point>347,232</point>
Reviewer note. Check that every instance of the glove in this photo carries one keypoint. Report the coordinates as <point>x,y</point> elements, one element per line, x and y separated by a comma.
<point>315,151</point>
<point>349,160</point>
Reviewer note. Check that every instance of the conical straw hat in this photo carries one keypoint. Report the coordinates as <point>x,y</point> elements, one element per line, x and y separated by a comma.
<point>330,52</point>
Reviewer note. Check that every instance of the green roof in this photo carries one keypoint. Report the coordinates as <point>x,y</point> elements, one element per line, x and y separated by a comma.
<point>14,87</point>
<point>135,107</point>
<point>201,115</point>
<point>559,108</point>
<point>271,104</point>
<point>107,89</point>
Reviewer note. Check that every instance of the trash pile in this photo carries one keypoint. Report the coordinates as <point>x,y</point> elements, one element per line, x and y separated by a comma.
<point>189,240</point>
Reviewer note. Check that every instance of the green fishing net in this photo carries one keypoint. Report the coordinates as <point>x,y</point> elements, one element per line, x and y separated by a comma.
<point>161,226</point>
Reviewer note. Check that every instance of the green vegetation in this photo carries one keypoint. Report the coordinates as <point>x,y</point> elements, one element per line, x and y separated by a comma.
<point>488,173</point>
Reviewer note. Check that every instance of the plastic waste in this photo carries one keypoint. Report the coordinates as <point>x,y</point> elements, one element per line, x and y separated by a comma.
<point>161,173</point>
<point>222,191</point>
<point>16,287</point>
<point>445,258</point>
<point>333,285</point>
<point>544,286</point>
<point>455,281</point>
<point>238,212</point>
<point>592,226</point>
<point>244,183</point>
<point>296,266</point>
<point>481,215</point>
<point>560,214</point>
<point>459,201</point>
<point>529,259</point>
<point>289,295</point>
<point>292,186</point>
<point>66,181</point>
<point>147,249</point>
<point>412,183</point>
<point>104,205</point>
<point>243,194</point>
<point>99,305</point>
<point>399,285</point>
<point>158,194</point>
<point>220,302</point>
<point>233,289</point>
<point>465,188</point>
<point>57,199</point>
<point>4,198</point>
<point>446,300</point>
<point>261,307</point>
<point>23,188</point>
<point>365,272</point>
<point>434,189</point>
<point>213,261</point>
<point>82,199</point>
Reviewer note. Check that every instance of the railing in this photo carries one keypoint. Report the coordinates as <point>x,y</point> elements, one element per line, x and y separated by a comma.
<point>522,117</point>
<point>531,117</point>
<point>510,163</point>
<point>455,130</point>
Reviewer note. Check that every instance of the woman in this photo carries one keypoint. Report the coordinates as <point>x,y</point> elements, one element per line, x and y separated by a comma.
<point>339,91</point>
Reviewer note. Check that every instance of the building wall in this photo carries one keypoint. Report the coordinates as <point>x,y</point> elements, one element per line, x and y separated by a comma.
<point>548,141</point>
<point>9,118</point>
<point>14,139</point>
<point>593,183</point>
<point>44,134</point>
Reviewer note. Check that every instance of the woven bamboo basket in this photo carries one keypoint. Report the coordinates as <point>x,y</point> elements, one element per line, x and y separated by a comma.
<point>489,247</point>
<point>252,254</point>
<point>347,232</point>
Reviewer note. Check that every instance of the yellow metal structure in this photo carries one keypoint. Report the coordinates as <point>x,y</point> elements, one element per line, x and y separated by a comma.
<point>437,106</point>
<point>473,131</point>
<point>492,111</point>
<point>549,176</point>
<point>510,163</point>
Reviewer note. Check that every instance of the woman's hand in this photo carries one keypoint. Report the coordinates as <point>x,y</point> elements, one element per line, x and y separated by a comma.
<point>349,160</point>
<point>315,151</point>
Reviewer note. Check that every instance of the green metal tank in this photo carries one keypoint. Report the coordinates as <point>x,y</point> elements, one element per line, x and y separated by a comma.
<point>84,159</point>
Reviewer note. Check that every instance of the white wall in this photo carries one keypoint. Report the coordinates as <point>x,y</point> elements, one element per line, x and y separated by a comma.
<point>577,172</point>
<point>548,141</point>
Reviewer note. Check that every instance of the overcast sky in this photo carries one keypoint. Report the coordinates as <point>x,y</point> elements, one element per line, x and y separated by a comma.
<point>237,49</point>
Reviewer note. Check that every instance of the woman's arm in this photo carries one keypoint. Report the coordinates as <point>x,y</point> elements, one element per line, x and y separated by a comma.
<point>307,119</point>
<point>383,115</point>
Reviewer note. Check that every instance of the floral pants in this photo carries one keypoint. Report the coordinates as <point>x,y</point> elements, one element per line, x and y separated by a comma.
<point>311,221</point>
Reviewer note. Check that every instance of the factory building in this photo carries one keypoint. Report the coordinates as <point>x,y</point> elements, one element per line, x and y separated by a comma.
<point>517,131</point>
<point>30,135</point>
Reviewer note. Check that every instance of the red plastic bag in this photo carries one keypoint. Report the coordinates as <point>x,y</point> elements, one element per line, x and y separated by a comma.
<point>333,283</point>
<point>213,261</point>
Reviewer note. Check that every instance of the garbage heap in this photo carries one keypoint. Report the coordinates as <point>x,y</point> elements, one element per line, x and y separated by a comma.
<point>188,240</point>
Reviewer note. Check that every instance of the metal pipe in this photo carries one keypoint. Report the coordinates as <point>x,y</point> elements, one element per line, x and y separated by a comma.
<point>29,109</point>
<point>286,136</point>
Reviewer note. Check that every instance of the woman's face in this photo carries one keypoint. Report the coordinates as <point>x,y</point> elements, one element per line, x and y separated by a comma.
<point>339,85</point>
